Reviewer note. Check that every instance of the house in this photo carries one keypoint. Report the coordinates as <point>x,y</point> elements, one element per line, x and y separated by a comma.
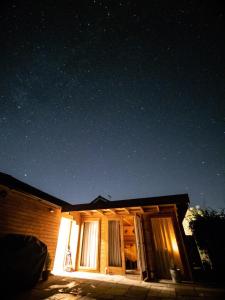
<point>136,236</point>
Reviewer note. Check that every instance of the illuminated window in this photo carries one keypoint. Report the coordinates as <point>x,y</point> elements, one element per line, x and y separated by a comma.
<point>89,248</point>
<point>166,247</point>
<point>67,239</point>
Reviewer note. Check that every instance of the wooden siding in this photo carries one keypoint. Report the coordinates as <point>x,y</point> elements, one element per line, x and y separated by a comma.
<point>104,245</point>
<point>23,214</point>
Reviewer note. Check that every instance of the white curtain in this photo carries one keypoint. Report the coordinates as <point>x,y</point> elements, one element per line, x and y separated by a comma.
<point>114,244</point>
<point>89,250</point>
<point>167,252</point>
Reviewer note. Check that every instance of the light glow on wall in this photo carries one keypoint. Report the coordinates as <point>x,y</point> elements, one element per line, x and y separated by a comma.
<point>73,243</point>
<point>68,236</point>
<point>175,246</point>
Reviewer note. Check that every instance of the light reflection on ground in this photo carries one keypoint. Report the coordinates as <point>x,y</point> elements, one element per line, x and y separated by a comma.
<point>89,286</point>
<point>68,285</point>
<point>129,279</point>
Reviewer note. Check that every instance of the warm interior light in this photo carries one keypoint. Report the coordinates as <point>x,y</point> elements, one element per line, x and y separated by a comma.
<point>175,246</point>
<point>63,238</point>
<point>68,236</point>
<point>166,244</point>
<point>73,243</point>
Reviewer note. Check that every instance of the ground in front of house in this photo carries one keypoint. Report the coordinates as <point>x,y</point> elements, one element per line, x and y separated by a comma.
<point>88,286</point>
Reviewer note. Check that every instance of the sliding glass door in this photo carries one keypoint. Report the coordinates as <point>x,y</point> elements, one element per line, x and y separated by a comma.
<point>166,247</point>
<point>89,246</point>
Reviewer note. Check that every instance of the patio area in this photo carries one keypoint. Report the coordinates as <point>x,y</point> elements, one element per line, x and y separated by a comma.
<point>88,286</point>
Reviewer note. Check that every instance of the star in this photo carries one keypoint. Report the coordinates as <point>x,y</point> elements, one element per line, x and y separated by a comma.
<point>106,91</point>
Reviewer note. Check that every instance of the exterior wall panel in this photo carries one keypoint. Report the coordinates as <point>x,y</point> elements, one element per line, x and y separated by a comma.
<point>22,214</point>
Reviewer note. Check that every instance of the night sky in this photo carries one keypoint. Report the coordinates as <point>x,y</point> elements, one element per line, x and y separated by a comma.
<point>119,98</point>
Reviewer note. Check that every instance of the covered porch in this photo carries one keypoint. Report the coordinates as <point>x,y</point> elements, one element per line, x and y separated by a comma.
<point>140,240</point>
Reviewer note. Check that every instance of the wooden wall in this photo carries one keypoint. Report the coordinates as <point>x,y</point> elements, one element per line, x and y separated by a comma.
<point>23,214</point>
<point>104,245</point>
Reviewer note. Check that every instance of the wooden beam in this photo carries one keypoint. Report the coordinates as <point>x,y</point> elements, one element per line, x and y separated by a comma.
<point>141,209</point>
<point>128,222</point>
<point>155,208</point>
<point>87,212</point>
<point>126,209</point>
<point>113,211</point>
<point>101,212</point>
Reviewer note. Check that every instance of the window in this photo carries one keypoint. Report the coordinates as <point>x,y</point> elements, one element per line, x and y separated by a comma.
<point>89,249</point>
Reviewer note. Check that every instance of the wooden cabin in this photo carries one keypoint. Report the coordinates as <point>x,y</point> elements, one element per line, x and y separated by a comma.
<point>137,236</point>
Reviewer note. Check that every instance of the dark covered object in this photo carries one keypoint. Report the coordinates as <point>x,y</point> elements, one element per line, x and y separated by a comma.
<point>22,260</point>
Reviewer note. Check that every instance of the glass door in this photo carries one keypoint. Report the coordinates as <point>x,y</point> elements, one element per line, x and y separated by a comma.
<point>166,248</point>
<point>115,258</point>
<point>89,247</point>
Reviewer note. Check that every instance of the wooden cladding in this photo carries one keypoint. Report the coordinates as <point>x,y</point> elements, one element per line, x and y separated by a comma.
<point>22,214</point>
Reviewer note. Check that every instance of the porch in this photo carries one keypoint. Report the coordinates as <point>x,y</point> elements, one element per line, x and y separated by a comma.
<point>88,286</point>
<point>143,240</point>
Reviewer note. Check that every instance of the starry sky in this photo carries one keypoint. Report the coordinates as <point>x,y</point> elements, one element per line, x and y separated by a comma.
<point>119,98</point>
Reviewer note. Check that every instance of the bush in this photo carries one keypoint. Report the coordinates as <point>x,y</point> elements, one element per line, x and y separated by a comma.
<point>208,228</point>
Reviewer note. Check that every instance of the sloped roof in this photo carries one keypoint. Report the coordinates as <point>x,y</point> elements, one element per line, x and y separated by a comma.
<point>15,184</point>
<point>99,200</point>
<point>180,200</point>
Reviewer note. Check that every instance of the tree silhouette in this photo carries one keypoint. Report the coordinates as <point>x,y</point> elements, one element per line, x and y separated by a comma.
<point>208,228</point>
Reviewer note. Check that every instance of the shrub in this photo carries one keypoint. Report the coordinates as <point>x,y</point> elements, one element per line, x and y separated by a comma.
<point>208,228</point>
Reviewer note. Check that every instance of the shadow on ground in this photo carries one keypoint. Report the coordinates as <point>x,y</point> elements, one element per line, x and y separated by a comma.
<point>86,289</point>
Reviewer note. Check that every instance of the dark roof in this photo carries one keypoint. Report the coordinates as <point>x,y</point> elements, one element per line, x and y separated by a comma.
<point>15,184</point>
<point>99,200</point>
<point>181,201</point>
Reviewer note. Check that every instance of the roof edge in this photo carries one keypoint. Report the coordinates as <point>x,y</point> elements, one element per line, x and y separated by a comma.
<point>13,183</point>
